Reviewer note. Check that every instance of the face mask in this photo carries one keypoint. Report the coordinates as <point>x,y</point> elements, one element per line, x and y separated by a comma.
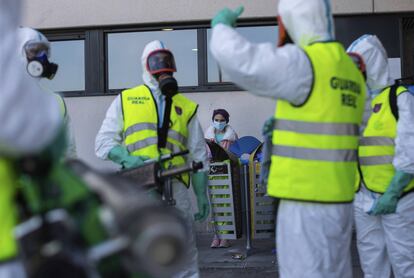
<point>219,125</point>
<point>284,37</point>
<point>41,67</point>
<point>168,85</point>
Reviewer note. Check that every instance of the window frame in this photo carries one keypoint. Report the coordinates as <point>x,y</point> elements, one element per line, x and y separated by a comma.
<point>96,54</point>
<point>183,89</point>
<point>69,35</point>
<point>96,50</point>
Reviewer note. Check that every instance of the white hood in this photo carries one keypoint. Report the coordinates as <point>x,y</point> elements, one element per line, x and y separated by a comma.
<point>307,21</point>
<point>26,34</point>
<point>370,48</point>
<point>149,80</point>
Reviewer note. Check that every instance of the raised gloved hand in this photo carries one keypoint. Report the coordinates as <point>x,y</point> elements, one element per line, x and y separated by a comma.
<point>227,17</point>
<point>119,154</point>
<point>199,181</point>
<point>387,203</point>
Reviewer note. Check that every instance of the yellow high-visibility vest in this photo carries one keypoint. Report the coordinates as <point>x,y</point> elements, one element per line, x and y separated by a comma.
<point>314,156</point>
<point>62,104</point>
<point>377,145</point>
<point>141,125</point>
<point>8,210</point>
<point>8,206</point>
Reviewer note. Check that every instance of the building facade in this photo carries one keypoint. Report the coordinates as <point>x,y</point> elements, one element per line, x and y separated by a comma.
<point>98,45</point>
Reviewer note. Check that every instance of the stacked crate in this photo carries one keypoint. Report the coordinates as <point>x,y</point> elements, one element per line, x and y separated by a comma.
<point>223,212</point>
<point>262,207</point>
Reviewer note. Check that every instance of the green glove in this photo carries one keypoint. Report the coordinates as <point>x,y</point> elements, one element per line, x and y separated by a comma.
<point>227,17</point>
<point>199,181</point>
<point>119,154</point>
<point>268,127</point>
<point>387,203</point>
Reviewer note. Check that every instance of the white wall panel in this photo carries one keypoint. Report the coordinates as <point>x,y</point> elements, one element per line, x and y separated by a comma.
<point>62,13</point>
<point>352,6</point>
<point>86,115</point>
<point>381,6</point>
<point>76,13</point>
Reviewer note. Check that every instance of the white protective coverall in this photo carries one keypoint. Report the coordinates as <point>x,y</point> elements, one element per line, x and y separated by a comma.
<point>30,119</point>
<point>313,240</point>
<point>111,135</point>
<point>25,35</point>
<point>386,240</point>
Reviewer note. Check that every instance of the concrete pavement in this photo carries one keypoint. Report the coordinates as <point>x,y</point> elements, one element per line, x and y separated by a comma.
<point>261,262</point>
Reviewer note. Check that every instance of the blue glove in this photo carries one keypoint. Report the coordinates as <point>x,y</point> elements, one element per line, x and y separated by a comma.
<point>227,17</point>
<point>119,154</point>
<point>387,203</point>
<point>199,181</point>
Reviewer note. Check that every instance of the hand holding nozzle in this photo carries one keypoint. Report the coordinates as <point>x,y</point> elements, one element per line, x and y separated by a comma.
<point>166,157</point>
<point>169,173</point>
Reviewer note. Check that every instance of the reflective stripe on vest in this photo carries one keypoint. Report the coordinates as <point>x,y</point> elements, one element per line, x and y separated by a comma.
<point>317,128</point>
<point>315,145</point>
<point>376,141</point>
<point>142,144</point>
<point>315,154</point>
<point>377,146</point>
<point>8,211</point>
<point>141,125</point>
<point>376,160</point>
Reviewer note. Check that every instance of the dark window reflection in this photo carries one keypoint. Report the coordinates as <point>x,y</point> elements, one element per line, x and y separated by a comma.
<point>70,56</point>
<point>254,34</point>
<point>125,50</point>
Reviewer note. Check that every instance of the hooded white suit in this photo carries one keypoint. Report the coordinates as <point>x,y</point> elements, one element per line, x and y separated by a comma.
<point>386,240</point>
<point>312,240</point>
<point>30,119</point>
<point>111,135</point>
<point>25,35</point>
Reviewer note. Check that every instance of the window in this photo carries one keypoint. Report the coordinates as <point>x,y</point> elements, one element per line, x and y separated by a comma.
<point>258,34</point>
<point>70,56</point>
<point>125,50</point>
<point>104,60</point>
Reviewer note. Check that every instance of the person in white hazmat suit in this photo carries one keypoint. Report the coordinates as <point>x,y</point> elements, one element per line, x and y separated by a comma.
<point>31,123</point>
<point>35,55</point>
<point>138,117</point>
<point>384,204</point>
<point>320,95</point>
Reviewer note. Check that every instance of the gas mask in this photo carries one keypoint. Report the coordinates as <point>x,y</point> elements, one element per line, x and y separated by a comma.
<point>284,37</point>
<point>168,84</point>
<point>161,64</point>
<point>359,62</point>
<point>38,64</point>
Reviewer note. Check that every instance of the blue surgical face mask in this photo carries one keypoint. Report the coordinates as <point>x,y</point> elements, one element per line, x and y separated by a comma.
<point>219,125</point>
